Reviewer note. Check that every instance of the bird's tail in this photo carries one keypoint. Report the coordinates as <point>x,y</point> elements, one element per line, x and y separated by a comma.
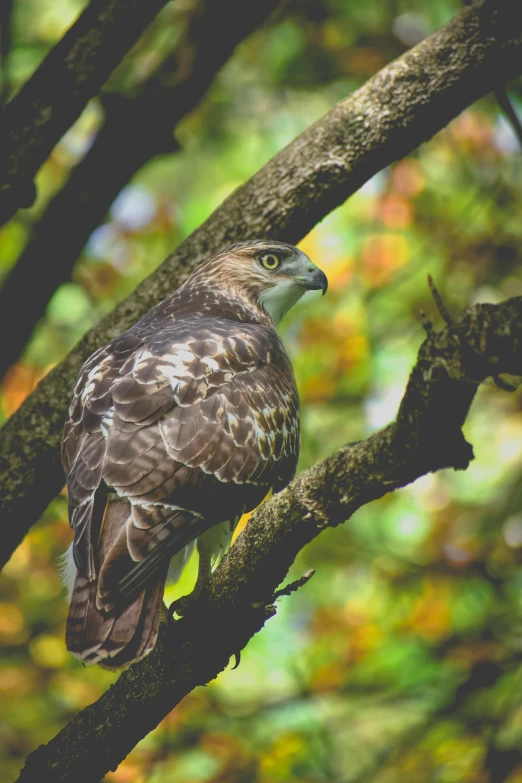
<point>126,633</point>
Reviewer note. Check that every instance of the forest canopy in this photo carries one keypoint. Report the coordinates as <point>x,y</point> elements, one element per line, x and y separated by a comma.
<point>400,657</point>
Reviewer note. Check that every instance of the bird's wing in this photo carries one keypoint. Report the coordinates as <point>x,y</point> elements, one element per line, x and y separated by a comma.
<point>84,443</point>
<point>202,421</point>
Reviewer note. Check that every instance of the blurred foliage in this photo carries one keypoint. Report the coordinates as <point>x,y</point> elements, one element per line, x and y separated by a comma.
<point>401,659</point>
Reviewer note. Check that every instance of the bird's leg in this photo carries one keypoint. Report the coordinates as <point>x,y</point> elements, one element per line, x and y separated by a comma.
<point>204,573</point>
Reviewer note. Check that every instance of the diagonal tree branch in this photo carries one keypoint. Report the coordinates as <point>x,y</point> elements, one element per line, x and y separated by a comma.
<point>426,436</point>
<point>55,95</point>
<point>402,106</point>
<point>152,112</point>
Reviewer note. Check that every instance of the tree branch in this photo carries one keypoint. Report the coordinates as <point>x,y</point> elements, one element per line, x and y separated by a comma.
<point>426,436</point>
<point>402,106</point>
<point>55,95</point>
<point>152,112</point>
<point>6,13</point>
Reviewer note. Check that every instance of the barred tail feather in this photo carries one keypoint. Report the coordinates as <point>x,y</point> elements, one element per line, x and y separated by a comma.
<point>127,632</point>
<point>118,638</point>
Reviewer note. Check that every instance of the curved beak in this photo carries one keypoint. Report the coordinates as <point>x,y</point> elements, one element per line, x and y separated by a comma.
<point>315,280</point>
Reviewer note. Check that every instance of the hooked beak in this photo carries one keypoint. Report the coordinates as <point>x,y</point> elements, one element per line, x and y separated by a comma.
<point>315,280</point>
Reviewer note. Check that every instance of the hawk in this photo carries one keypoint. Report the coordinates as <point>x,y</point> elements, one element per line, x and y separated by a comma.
<point>177,427</point>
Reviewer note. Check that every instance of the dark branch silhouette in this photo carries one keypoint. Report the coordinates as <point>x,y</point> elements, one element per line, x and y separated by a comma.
<point>152,112</point>
<point>55,95</point>
<point>426,436</point>
<point>403,105</point>
<point>6,12</point>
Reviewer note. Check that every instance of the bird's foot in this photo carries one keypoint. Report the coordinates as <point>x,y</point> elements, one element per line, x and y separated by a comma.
<point>181,605</point>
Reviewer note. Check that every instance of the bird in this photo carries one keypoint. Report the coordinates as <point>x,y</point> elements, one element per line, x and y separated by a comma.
<point>177,427</point>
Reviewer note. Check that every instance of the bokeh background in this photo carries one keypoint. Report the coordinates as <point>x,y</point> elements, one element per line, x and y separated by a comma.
<point>401,659</point>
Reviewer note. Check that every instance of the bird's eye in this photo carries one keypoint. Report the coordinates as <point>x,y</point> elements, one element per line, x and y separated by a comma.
<point>269,261</point>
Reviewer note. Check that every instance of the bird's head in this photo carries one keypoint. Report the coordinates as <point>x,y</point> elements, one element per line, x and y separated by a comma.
<point>274,274</point>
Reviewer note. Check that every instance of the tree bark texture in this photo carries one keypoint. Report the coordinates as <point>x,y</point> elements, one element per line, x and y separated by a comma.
<point>402,106</point>
<point>56,94</point>
<point>426,436</point>
<point>152,112</point>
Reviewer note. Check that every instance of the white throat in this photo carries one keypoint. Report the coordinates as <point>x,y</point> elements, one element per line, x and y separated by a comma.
<point>278,299</point>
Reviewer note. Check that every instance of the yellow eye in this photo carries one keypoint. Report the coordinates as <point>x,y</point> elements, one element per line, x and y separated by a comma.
<point>270,261</point>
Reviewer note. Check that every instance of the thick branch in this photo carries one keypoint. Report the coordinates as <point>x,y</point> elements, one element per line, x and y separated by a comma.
<point>402,106</point>
<point>168,95</point>
<point>426,436</point>
<point>55,95</point>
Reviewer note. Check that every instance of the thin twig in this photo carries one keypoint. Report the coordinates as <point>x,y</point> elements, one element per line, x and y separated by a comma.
<point>294,586</point>
<point>509,383</point>
<point>441,306</point>
<point>426,323</point>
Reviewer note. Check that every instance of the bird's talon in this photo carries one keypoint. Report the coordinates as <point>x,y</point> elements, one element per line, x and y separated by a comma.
<point>237,656</point>
<point>182,605</point>
<point>177,607</point>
